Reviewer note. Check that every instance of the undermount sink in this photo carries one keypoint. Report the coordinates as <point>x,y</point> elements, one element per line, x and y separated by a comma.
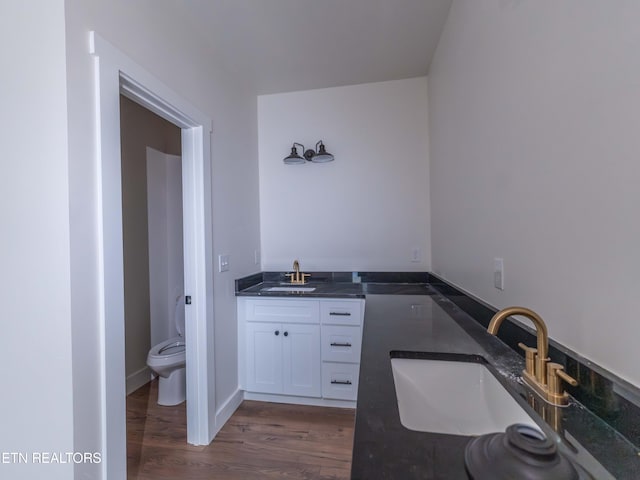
<point>290,289</point>
<point>453,397</point>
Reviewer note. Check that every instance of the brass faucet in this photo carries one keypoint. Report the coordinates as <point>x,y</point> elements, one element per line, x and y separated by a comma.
<point>543,377</point>
<point>296,276</point>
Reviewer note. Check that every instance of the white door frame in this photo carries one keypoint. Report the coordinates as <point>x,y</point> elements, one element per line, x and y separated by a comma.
<point>116,74</point>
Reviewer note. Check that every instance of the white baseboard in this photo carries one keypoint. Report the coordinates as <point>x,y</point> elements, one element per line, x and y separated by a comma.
<point>311,401</point>
<point>138,379</point>
<point>223,414</point>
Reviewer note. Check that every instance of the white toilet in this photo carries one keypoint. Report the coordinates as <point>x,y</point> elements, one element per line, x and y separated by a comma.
<point>167,359</point>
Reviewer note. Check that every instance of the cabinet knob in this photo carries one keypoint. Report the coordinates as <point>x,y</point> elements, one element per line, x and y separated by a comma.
<point>277,332</point>
<point>286,334</point>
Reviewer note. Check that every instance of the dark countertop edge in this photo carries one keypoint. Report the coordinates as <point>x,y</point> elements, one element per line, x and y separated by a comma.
<point>300,295</point>
<point>252,280</point>
<point>335,284</point>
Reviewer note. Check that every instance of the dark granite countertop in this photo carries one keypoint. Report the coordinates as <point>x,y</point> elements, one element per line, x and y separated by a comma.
<point>410,325</point>
<point>333,285</point>
<point>333,290</point>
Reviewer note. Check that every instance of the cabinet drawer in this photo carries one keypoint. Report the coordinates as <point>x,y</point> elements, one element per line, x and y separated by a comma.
<point>341,312</point>
<point>341,343</point>
<point>340,380</point>
<point>276,310</point>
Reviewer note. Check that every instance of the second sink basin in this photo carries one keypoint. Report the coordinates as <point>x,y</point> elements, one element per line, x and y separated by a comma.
<point>454,397</point>
<point>290,289</point>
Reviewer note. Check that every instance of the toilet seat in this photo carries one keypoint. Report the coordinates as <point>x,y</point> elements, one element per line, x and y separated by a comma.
<point>177,347</point>
<point>169,349</point>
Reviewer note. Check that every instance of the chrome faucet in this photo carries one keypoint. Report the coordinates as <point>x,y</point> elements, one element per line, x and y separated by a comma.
<point>543,377</point>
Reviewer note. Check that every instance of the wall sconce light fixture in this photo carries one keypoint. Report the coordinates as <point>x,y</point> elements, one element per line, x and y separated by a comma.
<point>319,155</point>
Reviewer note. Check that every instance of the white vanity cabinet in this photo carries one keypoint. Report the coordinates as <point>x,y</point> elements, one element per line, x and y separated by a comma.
<point>300,350</point>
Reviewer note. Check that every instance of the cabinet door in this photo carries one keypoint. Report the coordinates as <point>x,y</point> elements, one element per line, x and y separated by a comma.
<point>301,363</point>
<point>264,357</point>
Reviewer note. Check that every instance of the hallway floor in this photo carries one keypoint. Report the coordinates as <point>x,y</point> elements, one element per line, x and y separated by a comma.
<point>260,441</point>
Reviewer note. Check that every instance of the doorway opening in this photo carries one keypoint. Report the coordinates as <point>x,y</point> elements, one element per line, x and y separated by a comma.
<point>152,234</point>
<point>153,274</point>
<point>117,74</point>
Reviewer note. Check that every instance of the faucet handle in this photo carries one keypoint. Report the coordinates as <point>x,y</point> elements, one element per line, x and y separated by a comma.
<point>530,358</point>
<point>558,370</point>
<point>297,277</point>
<point>556,373</point>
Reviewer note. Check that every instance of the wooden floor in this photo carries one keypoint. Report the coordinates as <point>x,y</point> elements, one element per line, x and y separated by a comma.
<point>260,441</point>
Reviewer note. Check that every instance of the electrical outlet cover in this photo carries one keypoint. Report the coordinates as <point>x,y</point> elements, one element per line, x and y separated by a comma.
<point>498,273</point>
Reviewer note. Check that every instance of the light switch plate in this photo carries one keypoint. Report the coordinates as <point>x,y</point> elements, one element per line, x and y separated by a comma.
<point>223,263</point>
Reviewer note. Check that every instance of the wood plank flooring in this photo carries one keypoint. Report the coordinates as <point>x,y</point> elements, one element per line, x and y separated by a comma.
<point>260,441</point>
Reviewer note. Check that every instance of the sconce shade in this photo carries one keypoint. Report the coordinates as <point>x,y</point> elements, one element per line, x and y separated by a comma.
<point>294,158</point>
<point>319,155</point>
<point>322,156</point>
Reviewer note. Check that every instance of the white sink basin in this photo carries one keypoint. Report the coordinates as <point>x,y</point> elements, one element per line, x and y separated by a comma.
<point>290,289</point>
<point>459,398</point>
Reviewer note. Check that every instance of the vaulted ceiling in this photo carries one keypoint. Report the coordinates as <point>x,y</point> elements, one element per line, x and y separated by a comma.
<point>287,45</point>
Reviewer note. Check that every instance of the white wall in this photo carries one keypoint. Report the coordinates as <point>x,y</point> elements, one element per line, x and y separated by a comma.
<point>534,110</point>
<point>36,404</point>
<point>369,208</point>
<point>166,259</point>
